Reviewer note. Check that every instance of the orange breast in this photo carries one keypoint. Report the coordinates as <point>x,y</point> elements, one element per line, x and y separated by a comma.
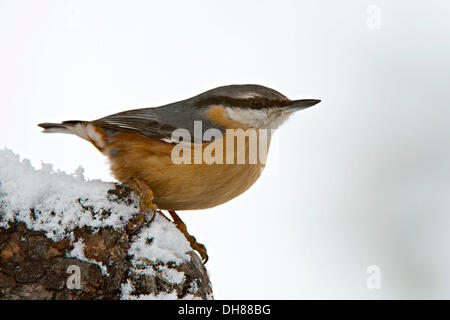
<point>179,186</point>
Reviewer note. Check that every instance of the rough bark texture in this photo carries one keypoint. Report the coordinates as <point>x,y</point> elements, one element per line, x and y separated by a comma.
<point>34,267</point>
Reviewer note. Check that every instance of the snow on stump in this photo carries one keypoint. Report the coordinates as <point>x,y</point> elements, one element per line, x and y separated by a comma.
<point>62,237</point>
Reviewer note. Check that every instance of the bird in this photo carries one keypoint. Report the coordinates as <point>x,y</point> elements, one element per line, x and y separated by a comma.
<point>142,144</point>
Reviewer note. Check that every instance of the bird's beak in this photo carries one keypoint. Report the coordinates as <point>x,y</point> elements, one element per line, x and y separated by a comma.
<point>296,105</point>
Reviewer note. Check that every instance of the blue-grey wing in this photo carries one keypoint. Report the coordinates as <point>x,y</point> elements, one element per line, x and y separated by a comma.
<point>145,122</point>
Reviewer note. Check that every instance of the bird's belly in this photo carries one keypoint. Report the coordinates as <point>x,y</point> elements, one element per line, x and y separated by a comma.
<point>180,186</point>
<point>191,187</point>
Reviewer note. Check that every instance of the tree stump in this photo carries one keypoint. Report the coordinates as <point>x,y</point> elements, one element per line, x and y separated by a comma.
<point>62,237</point>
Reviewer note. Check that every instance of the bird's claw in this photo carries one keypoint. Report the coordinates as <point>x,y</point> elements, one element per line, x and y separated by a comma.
<point>145,204</point>
<point>200,248</point>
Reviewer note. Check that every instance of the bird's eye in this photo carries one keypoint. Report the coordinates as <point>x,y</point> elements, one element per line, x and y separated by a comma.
<point>256,103</point>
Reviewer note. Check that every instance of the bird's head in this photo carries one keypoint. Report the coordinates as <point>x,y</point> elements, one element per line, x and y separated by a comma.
<point>249,106</point>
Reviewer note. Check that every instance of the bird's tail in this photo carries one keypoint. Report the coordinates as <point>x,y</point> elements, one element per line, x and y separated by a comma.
<point>63,127</point>
<point>83,129</point>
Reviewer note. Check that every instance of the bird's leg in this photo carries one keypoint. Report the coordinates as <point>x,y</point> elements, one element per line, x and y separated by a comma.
<point>200,248</point>
<point>146,196</point>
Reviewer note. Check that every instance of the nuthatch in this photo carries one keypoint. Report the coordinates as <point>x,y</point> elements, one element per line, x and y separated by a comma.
<point>139,144</point>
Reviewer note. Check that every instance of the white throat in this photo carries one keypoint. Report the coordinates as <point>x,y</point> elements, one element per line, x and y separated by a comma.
<point>269,118</point>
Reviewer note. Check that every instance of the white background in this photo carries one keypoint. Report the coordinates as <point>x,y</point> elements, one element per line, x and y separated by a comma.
<point>361,179</point>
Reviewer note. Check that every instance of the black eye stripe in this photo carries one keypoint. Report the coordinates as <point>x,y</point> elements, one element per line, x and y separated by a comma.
<point>254,103</point>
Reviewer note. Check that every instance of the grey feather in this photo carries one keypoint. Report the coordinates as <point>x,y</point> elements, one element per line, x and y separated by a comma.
<point>159,122</point>
<point>142,121</point>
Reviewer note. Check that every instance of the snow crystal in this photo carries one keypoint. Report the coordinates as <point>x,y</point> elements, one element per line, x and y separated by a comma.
<point>78,252</point>
<point>48,200</point>
<point>172,275</point>
<point>161,242</point>
<point>127,290</point>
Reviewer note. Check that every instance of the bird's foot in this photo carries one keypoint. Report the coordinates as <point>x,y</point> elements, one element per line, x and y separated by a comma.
<point>146,204</point>
<point>200,248</point>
